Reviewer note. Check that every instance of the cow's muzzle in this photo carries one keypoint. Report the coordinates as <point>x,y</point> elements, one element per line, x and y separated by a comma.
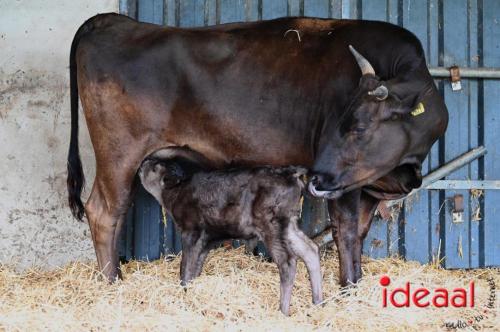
<point>320,188</point>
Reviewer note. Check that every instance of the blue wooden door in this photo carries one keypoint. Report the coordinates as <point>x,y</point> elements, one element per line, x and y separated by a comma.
<point>453,32</point>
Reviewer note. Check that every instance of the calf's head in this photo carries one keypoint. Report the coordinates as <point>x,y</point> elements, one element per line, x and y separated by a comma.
<point>157,176</point>
<point>371,137</point>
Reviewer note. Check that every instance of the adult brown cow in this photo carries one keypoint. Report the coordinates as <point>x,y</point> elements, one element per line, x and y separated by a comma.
<point>283,92</point>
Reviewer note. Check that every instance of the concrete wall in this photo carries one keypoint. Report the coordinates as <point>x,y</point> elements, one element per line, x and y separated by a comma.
<point>36,226</point>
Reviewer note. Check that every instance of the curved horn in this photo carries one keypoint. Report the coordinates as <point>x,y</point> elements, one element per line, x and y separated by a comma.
<point>364,65</point>
<point>381,92</point>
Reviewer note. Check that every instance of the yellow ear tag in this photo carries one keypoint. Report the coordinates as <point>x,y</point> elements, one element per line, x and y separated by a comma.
<point>418,110</point>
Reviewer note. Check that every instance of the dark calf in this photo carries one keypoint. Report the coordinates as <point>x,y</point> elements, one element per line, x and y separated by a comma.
<point>213,206</point>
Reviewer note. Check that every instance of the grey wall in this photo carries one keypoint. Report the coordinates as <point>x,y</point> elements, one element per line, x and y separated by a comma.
<point>35,224</point>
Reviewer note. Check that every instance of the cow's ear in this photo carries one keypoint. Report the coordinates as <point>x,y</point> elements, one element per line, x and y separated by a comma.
<point>380,93</point>
<point>397,108</point>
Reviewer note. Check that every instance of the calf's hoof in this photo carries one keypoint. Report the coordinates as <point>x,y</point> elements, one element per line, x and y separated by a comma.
<point>285,311</point>
<point>318,300</point>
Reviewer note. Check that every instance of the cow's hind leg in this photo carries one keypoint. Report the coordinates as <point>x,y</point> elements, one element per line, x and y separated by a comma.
<point>106,209</point>
<point>308,251</point>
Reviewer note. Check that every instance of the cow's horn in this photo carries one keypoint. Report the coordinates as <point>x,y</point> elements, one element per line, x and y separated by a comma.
<point>381,92</point>
<point>364,65</point>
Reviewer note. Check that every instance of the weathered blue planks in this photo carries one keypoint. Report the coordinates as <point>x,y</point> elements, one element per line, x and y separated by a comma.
<point>490,56</point>
<point>455,53</point>
<point>191,13</point>
<point>462,32</point>
<point>416,224</point>
<point>232,11</point>
<point>274,8</point>
<point>416,228</point>
<point>320,8</point>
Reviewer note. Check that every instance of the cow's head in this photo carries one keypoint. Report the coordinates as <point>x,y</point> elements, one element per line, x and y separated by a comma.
<point>370,138</point>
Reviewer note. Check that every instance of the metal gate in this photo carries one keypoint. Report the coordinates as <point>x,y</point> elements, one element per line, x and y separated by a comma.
<point>463,33</point>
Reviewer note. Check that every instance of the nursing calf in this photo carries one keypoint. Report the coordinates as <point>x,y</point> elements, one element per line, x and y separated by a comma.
<point>212,206</point>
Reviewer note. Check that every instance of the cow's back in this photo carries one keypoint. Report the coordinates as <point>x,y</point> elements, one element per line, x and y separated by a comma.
<point>248,93</point>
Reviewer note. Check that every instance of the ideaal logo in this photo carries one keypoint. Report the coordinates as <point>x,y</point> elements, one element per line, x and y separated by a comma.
<point>439,297</point>
<point>423,297</point>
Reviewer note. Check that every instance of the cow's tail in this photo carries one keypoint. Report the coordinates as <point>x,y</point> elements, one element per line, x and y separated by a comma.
<point>76,178</point>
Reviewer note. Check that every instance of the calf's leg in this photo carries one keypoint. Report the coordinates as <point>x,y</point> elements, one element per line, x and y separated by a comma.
<point>201,260</point>
<point>193,247</point>
<point>303,247</point>
<point>287,266</point>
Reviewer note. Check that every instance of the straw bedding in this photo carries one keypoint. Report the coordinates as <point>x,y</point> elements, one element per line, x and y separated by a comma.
<point>235,292</point>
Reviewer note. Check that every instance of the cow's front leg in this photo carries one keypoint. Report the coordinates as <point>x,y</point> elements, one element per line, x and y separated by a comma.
<point>367,207</point>
<point>344,216</point>
<point>351,216</point>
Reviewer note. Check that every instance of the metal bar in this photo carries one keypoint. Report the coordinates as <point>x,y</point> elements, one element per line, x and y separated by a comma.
<point>443,171</point>
<point>464,184</point>
<point>465,72</point>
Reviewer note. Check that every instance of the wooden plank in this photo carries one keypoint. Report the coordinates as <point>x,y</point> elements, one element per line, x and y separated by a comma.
<point>295,8</point>
<point>274,8</point>
<point>128,7</point>
<point>336,8</point>
<point>374,10</point>
<point>146,226</point>
<point>352,9</point>
<point>432,50</point>
<point>209,12</point>
<point>491,58</point>
<point>150,11</point>
<point>232,11</point>
<point>392,11</point>
<point>253,10</point>
<point>415,224</point>
<point>318,8</point>
<point>475,212</point>
<point>191,13</point>
<point>376,242</point>
<point>170,12</point>
<point>456,53</point>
